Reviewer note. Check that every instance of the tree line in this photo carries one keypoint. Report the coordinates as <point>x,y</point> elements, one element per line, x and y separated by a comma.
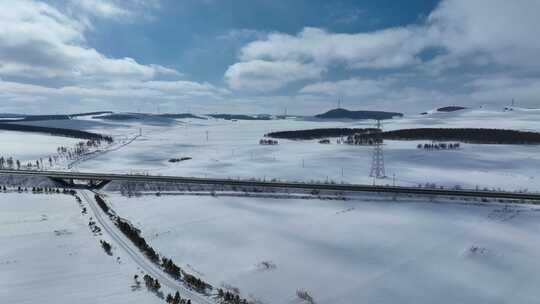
<point>319,133</point>
<point>468,135</point>
<point>63,153</point>
<point>55,131</point>
<point>228,297</point>
<point>101,203</point>
<point>167,264</point>
<point>41,190</point>
<point>439,146</point>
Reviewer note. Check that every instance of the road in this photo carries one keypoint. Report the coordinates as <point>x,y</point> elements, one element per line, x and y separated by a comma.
<point>267,184</point>
<point>137,256</point>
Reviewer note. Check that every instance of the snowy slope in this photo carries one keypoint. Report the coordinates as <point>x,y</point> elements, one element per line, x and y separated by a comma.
<point>373,251</point>
<point>232,150</point>
<point>49,254</point>
<point>31,146</point>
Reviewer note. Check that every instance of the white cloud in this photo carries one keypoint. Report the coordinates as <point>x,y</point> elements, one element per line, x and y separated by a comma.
<point>260,75</point>
<point>118,10</point>
<point>505,31</point>
<point>464,33</point>
<point>382,49</point>
<point>12,93</point>
<point>47,48</point>
<point>317,50</point>
<point>38,41</point>
<point>504,88</point>
<point>101,8</point>
<point>350,87</point>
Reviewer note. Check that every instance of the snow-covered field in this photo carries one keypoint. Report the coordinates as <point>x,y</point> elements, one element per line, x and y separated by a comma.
<point>371,251</point>
<point>49,255</point>
<point>232,150</point>
<point>31,146</point>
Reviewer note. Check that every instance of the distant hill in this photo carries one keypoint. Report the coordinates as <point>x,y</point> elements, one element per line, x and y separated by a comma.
<point>121,116</point>
<point>54,131</point>
<point>146,116</point>
<point>344,113</point>
<point>90,113</point>
<point>240,117</point>
<point>11,115</point>
<point>180,115</point>
<point>36,118</point>
<point>451,109</point>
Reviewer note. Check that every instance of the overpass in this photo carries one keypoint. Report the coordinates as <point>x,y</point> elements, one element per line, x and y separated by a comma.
<point>98,180</point>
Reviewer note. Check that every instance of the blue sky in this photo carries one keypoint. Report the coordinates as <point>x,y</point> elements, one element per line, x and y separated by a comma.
<point>262,56</point>
<point>203,38</point>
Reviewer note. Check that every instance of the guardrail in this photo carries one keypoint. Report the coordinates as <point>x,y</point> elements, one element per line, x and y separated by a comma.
<point>272,184</point>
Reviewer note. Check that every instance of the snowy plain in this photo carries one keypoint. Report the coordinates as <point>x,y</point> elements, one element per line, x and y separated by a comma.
<point>48,254</point>
<point>371,249</point>
<point>233,150</point>
<point>31,146</point>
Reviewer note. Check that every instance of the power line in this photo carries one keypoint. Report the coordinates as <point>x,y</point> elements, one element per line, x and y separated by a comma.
<point>377,161</point>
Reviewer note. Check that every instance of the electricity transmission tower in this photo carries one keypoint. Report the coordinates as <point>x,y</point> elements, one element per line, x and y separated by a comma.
<point>377,163</point>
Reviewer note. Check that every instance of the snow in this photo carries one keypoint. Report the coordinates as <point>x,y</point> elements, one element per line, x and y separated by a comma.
<point>232,150</point>
<point>82,123</point>
<point>31,146</point>
<point>49,253</point>
<point>371,251</point>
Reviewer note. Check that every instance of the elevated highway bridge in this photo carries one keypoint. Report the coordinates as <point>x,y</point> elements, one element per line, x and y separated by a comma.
<point>93,180</point>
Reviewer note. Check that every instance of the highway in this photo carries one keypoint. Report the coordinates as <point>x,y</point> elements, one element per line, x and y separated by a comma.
<point>96,177</point>
<point>138,257</point>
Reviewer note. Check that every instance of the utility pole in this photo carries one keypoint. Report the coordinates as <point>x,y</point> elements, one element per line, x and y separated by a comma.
<point>206,135</point>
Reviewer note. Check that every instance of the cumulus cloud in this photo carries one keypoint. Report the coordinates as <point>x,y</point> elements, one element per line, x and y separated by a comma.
<point>502,30</point>
<point>101,8</point>
<point>38,41</point>
<point>105,95</point>
<point>46,51</point>
<point>382,49</point>
<point>320,50</point>
<point>261,75</point>
<point>350,87</point>
<point>504,88</point>
<point>457,34</point>
<point>118,10</point>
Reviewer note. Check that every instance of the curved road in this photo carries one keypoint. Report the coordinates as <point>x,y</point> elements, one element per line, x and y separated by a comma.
<point>138,257</point>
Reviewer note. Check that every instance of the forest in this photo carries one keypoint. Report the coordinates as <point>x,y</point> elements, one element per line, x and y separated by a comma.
<point>319,133</point>
<point>55,131</point>
<point>466,135</point>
